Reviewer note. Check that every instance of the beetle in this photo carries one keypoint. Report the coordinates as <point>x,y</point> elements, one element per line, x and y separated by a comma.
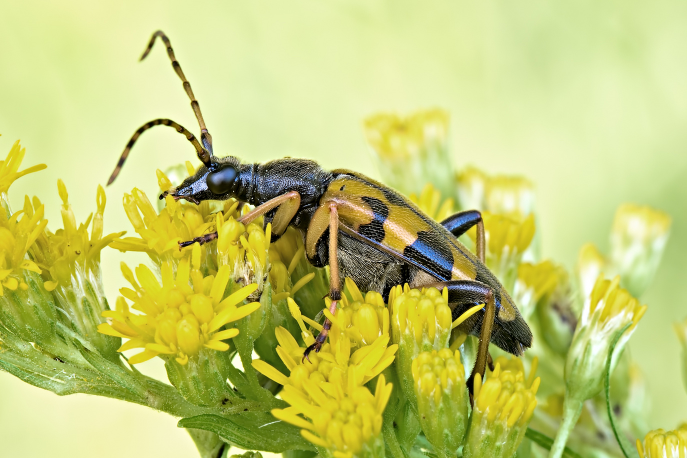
<point>382,238</point>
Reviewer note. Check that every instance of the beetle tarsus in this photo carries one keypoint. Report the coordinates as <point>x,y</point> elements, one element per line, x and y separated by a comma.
<point>314,347</point>
<point>202,240</point>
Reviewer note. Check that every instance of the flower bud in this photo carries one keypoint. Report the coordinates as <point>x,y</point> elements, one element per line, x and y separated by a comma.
<point>638,238</point>
<point>421,320</point>
<point>472,185</point>
<point>442,399</point>
<point>509,195</point>
<point>506,241</point>
<point>412,150</point>
<point>607,310</point>
<point>503,407</point>
<point>662,444</point>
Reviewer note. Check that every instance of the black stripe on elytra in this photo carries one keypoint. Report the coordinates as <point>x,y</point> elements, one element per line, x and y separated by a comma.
<point>395,199</point>
<point>429,250</point>
<point>375,229</point>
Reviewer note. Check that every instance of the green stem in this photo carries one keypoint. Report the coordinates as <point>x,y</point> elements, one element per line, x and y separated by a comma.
<point>572,408</point>
<point>392,441</point>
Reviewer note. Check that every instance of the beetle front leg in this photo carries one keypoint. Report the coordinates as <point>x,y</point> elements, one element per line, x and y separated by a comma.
<point>288,207</point>
<point>334,279</point>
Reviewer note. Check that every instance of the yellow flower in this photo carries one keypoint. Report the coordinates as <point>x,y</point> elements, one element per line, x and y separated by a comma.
<point>412,150</point>
<point>70,258</point>
<point>243,248</point>
<point>160,234</point>
<point>73,252</point>
<point>9,171</point>
<point>442,399</point>
<point>502,409</point>
<point>393,136</point>
<point>638,238</point>
<point>343,419</point>
<point>590,264</point>
<point>472,186</point>
<point>429,200</point>
<point>662,444</point>
<point>291,273</point>
<point>18,233</point>
<point>509,195</point>
<point>423,316</point>
<point>506,241</point>
<point>607,310</point>
<point>536,282</point>
<point>177,319</point>
<point>330,365</point>
<point>543,292</point>
<point>363,319</point>
<point>421,320</point>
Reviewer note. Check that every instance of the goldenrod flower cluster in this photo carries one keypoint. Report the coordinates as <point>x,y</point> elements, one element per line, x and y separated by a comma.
<point>232,319</point>
<point>50,285</point>
<point>339,414</point>
<point>551,299</point>
<point>180,316</point>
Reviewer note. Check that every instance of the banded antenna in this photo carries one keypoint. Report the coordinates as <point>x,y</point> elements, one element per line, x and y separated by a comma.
<point>203,151</point>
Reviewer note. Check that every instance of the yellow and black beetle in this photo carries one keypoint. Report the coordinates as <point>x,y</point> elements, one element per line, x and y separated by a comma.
<point>382,239</point>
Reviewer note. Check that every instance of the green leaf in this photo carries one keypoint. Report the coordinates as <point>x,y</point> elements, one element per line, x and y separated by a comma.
<point>115,372</point>
<point>624,444</point>
<point>251,431</point>
<point>546,442</point>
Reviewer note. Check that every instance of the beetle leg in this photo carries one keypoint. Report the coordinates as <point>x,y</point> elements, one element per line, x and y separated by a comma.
<point>461,222</point>
<point>288,206</point>
<point>463,293</point>
<point>203,239</point>
<point>334,279</point>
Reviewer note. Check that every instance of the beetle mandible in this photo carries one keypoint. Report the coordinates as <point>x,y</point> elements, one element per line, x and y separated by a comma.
<point>382,238</point>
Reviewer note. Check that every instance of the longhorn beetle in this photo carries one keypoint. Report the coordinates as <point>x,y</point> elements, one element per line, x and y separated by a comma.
<point>359,227</point>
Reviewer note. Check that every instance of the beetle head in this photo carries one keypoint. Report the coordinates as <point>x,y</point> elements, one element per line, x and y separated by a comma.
<point>219,180</point>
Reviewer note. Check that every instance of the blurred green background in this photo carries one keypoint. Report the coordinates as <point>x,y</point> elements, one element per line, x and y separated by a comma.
<point>588,99</point>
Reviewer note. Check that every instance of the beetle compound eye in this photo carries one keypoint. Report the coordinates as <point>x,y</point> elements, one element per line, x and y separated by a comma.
<point>221,181</point>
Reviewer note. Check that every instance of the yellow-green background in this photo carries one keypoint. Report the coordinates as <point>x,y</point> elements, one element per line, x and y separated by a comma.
<point>586,98</point>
